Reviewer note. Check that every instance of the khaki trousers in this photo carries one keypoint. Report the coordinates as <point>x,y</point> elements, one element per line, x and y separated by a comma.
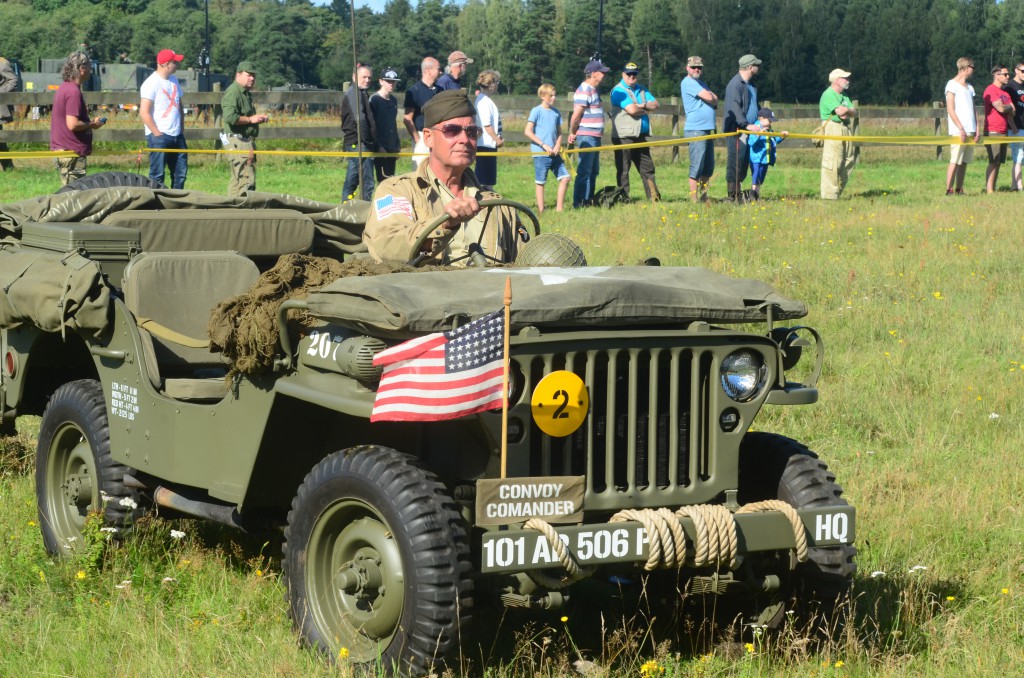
<point>836,161</point>
<point>243,166</point>
<point>70,168</point>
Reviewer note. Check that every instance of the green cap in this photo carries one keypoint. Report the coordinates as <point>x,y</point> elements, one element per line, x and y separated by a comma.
<point>452,103</point>
<point>246,66</point>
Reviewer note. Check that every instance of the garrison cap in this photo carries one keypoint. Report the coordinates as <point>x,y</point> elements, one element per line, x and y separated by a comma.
<point>452,103</point>
<point>246,66</point>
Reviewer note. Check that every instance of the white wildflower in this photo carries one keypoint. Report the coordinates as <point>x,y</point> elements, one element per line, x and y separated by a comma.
<point>111,530</point>
<point>177,534</point>
<point>129,502</point>
<point>993,416</point>
<point>918,568</point>
<point>169,580</point>
<point>878,573</point>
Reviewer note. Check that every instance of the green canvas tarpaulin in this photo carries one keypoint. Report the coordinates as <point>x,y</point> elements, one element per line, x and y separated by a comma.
<point>402,304</point>
<point>52,291</point>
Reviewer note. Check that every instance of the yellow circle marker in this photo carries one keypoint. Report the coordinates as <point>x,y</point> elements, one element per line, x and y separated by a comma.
<point>560,403</point>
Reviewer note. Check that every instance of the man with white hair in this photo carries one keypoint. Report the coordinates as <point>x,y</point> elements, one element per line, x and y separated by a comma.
<point>837,112</point>
<point>416,98</point>
<point>452,78</point>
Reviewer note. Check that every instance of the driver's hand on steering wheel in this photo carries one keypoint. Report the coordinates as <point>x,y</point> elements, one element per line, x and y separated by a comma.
<point>460,210</point>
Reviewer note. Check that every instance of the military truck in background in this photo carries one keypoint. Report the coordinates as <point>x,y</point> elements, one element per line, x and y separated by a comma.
<point>626,449</point>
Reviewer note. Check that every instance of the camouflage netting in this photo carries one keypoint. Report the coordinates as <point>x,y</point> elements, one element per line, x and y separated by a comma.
<point>244,328</point>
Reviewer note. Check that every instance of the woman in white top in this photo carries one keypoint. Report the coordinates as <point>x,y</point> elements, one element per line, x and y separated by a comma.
<point>487,117</point>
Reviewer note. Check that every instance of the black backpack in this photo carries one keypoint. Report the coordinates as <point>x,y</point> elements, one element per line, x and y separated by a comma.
<point>609,196</point>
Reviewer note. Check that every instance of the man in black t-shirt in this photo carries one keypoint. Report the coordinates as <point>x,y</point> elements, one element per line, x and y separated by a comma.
<point>415,98</point>
<point>1015,88</point>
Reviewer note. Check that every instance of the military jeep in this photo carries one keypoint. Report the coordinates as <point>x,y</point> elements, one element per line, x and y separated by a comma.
<point>626,447</point>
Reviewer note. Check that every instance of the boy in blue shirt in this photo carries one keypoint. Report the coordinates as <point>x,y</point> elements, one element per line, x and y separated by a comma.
<point>762,150</point>
<point>544,129</point>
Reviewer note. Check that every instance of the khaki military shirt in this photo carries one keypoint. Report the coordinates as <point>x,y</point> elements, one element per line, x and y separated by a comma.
<point>405,205</point>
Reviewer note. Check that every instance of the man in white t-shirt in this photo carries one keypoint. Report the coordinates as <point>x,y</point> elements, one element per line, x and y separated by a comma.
<point>963,123</point>
<point>163,115</point>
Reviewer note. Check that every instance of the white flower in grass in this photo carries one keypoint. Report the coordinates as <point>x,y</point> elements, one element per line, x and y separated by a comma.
<point>993,416</point>
<point>124,584</point>
<point>878,573</point>
<point>918,568</point>
<point>169,580</point>
<point>111,530</point>
<point>104,497</point>
<point>129,502</point>
<point>177,534</point>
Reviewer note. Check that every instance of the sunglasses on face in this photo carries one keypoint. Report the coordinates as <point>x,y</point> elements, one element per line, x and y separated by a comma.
<point>451,131</point>
<point>696,68</point>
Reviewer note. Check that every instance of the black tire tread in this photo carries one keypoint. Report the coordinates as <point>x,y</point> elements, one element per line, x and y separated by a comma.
<point>110,180</point>
<point>84,402</point>
<point>438,541</point>
<point>776,467</point>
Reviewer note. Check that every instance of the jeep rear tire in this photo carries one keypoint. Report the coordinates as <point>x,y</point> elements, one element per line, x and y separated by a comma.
<point>75,475</point>
<point>776,467</point>
<point>110,180</point>
<point>376,561</point>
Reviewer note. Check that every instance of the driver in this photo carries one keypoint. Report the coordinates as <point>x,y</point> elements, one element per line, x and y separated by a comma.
<point>405,205</point>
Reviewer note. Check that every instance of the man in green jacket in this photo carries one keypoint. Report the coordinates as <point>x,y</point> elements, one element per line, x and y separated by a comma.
<point>241,127</point>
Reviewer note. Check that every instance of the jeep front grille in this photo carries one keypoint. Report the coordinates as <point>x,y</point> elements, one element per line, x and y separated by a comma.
<point>645,441</point>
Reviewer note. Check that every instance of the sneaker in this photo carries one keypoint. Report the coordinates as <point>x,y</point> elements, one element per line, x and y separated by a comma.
<point>949,191</point>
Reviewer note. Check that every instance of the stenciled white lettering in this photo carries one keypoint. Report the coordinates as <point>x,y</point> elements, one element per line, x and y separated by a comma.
<point>530,491</point>
<point>530,509</point>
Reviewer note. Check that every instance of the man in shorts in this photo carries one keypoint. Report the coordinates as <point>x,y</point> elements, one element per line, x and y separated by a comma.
<point>963,124</point>
<point>699,103</point>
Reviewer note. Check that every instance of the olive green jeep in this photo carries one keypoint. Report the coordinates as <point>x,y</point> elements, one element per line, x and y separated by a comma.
<point>626,447</point>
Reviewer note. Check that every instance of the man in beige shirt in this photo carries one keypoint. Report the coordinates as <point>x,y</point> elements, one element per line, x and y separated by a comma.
<point>405,205</point>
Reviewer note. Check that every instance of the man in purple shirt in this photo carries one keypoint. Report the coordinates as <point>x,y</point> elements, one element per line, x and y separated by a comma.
<point>70,126</point>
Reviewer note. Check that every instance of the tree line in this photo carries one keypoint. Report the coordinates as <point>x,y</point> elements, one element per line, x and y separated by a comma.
<point>899,53</point>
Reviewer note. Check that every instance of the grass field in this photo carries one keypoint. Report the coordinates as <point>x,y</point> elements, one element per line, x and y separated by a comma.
<point>918,299</point>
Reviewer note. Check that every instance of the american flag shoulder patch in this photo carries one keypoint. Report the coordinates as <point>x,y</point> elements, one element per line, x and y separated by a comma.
<point>391,205</point>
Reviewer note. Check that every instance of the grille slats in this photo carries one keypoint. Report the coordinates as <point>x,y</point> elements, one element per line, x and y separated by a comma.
<point>648,430</point>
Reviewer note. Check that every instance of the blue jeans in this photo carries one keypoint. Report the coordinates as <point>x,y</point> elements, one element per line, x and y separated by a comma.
<point>176,163</point>
<point>586,172</point>
<point>352,176</point>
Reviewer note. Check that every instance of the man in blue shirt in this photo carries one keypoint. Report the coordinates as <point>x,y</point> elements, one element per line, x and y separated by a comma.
<point>452,79</point>
<point>631,103</point>
<point>699,104</point>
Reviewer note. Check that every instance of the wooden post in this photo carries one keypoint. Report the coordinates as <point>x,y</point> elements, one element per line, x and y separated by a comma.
<point>504,378</point>
<point>675,130</point>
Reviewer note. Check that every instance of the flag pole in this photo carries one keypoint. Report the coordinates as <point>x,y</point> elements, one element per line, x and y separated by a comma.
<point>504,379</point>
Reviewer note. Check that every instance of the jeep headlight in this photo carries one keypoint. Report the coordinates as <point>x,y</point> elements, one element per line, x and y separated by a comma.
<point>743,374</point>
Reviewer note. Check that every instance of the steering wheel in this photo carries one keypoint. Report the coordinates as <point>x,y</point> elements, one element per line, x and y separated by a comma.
<point>416,257</point>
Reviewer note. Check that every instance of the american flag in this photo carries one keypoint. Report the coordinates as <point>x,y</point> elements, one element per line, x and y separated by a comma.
<point>393,204</point>
<point>443,375</point>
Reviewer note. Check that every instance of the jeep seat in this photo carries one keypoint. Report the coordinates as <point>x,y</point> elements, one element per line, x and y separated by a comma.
<point>262,235</point>
<point>171,295</point>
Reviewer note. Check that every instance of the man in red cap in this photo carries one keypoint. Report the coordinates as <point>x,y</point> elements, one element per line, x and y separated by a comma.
<point>162,114</point>
<point>452,78</point>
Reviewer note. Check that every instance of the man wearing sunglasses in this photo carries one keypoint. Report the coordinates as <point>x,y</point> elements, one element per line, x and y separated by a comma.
<point>405,205</point>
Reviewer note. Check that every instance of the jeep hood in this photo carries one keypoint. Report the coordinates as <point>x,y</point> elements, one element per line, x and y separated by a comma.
<point>402,304</point>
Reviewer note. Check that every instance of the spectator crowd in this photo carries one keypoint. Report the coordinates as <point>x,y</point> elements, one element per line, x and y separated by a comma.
<point>370,125</point>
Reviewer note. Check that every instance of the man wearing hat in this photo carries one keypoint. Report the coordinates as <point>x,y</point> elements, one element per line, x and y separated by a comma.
<point>164,119</point>
<point>585,128</point>
<point>359,128</point>
<point>631,103</point>
<point>445,184</point>
<point>699,105</point>
<point>384,109</point>
<point>837,112</point>
<point>241,127</point>
<point>740,114</point>
<point>452,78</point>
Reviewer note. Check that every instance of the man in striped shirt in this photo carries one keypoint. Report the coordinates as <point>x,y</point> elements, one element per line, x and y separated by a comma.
<point>585,128</point>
